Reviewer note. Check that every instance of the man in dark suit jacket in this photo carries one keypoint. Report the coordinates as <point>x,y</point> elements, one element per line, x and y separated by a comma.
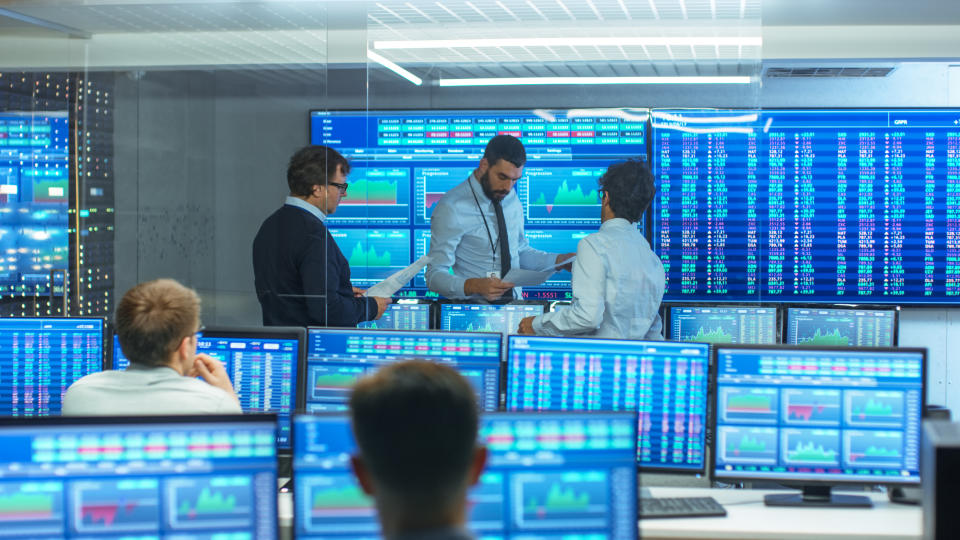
<point>301,276</point>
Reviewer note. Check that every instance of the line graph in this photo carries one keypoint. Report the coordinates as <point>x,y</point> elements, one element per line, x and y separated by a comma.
<point>375,196</point>
<point>128,505</point>
<point>373,254</point>
<point>563,195</point>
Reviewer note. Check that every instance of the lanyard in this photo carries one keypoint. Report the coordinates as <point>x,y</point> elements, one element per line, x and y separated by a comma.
<point>485,226</point>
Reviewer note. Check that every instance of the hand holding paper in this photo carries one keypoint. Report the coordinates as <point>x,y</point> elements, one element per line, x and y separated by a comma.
<point>395,282</point>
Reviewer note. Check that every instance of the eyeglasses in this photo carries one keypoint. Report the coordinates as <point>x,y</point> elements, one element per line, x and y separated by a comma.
<point>341,187</point>
<point>600,194</point>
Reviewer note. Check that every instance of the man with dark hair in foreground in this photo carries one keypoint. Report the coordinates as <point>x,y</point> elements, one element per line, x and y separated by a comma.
<point>157,324</point>
<point>618,280</point>
<point>415,424</point>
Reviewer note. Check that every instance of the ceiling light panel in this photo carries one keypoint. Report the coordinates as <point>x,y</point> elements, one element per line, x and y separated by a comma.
<point>183,17</point>
<point>464,11</point>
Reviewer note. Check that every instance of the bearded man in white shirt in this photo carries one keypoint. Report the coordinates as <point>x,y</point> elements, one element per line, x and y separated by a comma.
<point>476,230</point>
<point>618,281</point>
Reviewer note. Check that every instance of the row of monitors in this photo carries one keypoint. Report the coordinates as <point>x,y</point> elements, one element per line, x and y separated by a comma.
<point>423,314</point>
<point>822,325</point>
<point>547,474</point>
<point>769,397</point>
<point>833,326</point>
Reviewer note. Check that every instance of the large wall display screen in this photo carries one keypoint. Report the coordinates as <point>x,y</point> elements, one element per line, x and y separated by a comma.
<point>808,205</point>
<point>34,195</point>
<point>403,161</point>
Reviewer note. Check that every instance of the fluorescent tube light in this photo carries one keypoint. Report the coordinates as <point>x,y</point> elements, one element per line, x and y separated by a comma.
<point>394,68</point>
<point>517,81</point>
<point>650,41</point>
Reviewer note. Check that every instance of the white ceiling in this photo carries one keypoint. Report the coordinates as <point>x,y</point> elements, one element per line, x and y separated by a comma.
<point>142,34</point>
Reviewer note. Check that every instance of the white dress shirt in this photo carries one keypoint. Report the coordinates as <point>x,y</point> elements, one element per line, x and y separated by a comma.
<point>144,391</point>
<point>302,204</point>
<point>459,240</point>
<point>618,284</point>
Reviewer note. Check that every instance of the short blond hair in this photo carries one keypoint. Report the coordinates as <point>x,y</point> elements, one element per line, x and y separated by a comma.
<point>153,318</point>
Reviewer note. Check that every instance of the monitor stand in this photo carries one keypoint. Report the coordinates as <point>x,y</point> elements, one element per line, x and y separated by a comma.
<point>817,496</point>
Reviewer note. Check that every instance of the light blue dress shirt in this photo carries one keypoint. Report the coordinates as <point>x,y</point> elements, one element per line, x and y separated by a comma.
<point>617,285</point>
<point>459,240</point>
<point>300,203</point>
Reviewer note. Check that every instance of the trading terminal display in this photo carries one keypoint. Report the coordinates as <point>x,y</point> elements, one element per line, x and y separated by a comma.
<point>262,368</point>
<point>403,161</point>
<point>555,475</point>
<point>41,357</point>
<point>723,324</point>
<point>834,327</point>
<point>789,414</point>
<point>402,317</point>
<point>337,357</point>
<point>666,382</point>
<point>34,193</point>
<point>503,318</point>
<point>188,478</point>
<point>808,205</point>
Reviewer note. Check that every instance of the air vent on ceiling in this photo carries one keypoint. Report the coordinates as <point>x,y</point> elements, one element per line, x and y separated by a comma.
<point>820,72</point>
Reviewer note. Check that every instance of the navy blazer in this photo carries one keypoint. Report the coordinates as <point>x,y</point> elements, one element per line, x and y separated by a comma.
<point>301,276</point>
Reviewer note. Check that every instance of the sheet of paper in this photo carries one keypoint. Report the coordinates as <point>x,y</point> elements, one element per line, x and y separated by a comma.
<point>527,278</point>
<point>554,267</point>
<point>395,282</point>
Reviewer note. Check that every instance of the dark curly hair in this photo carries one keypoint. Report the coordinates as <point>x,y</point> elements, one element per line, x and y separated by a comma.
<point>629,187</point>
<point>312,166</point>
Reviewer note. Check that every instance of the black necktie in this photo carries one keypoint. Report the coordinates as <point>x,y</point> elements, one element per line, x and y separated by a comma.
<point>504,241</point>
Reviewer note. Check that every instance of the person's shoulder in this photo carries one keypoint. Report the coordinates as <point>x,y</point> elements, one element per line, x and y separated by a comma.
<point>99,378</point>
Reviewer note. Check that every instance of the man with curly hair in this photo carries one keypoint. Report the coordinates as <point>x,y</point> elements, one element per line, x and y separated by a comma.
<point>618,280</point>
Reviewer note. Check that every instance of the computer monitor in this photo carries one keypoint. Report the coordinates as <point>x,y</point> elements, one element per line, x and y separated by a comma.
<point>818,417</point>
<point>833,326</point>
<point>569,474</point>
<point>337,357</point>
<point>139,477</point>
<point>718,323</point>
<point>263,364</point>
<point>405,314</point>
<point>665,382</point>
<point>503,318</point>
<point>41,357</point>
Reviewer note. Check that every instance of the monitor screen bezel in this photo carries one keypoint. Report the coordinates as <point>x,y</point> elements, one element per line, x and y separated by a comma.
<point>271,332</point>
<point>785,480</point>
<point>667,315</point>
<point>42,421</point>
<point>707,427</point>
<point>785,309</point>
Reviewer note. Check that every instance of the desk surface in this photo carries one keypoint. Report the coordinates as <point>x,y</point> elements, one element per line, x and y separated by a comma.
<point>748,517</point>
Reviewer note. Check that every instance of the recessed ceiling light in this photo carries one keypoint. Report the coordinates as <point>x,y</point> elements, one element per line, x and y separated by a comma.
<point>517,81</point>
<point>394,68</point>
<point>650,41</point>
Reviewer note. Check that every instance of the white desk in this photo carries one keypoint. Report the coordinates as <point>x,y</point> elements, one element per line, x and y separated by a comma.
<point>748,517</point>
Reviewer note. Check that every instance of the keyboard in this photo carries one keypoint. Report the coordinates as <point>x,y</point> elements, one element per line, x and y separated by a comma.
<point>668,507</point>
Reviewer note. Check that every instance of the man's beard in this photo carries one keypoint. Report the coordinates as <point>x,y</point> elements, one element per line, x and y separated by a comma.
<point>488,191</point>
